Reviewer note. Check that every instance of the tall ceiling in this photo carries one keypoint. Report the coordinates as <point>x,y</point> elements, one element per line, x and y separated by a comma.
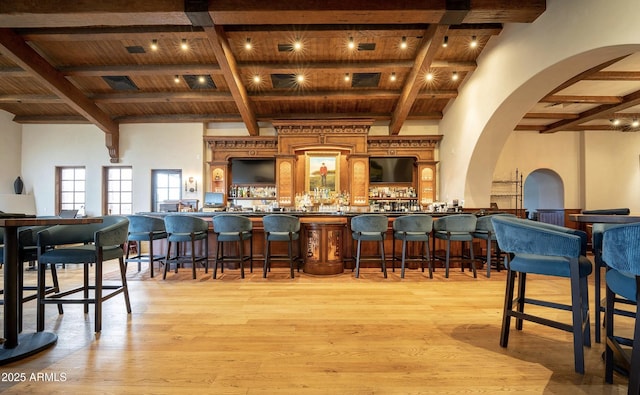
<point>92,62</point>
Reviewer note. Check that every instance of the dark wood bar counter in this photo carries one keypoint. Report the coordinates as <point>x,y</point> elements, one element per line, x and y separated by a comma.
<point>326,244</point>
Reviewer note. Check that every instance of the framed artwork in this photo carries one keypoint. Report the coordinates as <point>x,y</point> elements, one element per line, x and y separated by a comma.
<point>322,171</point>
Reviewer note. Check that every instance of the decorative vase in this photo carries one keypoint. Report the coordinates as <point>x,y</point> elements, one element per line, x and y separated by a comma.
<point>18,186</point>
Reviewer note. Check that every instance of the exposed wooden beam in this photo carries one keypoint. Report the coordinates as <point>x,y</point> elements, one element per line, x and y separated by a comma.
<point>141,69</point>
<point>55,13</point>
<point>13,47</point>
<point>615,76</point>
<point>431,44</point>
<point>585,74</point>
<point>602,111</point>
<point>549,115</point>
<point>26,98</point>
<point>581,99</point>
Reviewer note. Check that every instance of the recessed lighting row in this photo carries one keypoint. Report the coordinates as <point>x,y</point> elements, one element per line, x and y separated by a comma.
<point>472,44</point>
<point>184,45</point>
<point>430,77</point>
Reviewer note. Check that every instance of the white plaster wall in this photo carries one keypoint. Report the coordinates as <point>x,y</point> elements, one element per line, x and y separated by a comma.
<point>143,146</point>
<point>612,163</point>
<point>529,151</point>
<point>521,65</point>
<point>10,152</point>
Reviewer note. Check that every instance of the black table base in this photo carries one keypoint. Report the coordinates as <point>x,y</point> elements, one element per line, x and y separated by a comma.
<point>28,344</point>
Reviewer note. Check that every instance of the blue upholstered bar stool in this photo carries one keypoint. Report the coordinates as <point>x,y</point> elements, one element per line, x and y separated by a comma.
<point>369,227</point>
<point>455,227</point>
<point>28,252</point>
<point>182,230</point>
<point>235,229</point>
<point>484,231</point>
<point>621,254</point>
<point>414,228</point>
<point>552,250</point>
<point>83,244</point>
<point>281,228</point>
<point>145,228</point>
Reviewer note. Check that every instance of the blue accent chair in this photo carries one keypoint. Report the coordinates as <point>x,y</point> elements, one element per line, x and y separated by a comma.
<point>281,228</point>
<point>484,231</point>
<point>369,227</point>
<point>145,228</point>
<point>552,250</point>
<point>597,230</point>
<point>621,253</point>
<point>83,244</point>
<point>414,228</point>
<point>235,229</point>
<point>183,230</point>
<point>456,227</point>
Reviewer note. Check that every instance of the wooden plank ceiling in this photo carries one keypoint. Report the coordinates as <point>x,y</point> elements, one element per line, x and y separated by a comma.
<point>79,62</point>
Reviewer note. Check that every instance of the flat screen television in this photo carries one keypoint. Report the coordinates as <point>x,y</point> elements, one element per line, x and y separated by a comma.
<point>391,169</point>
<point>253,171</point>
<point>212,199</point>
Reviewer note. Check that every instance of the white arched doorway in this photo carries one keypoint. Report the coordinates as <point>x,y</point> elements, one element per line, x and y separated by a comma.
<point>544,196</point>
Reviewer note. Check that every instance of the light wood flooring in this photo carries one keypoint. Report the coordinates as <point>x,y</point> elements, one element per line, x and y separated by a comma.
<point>309,335</point>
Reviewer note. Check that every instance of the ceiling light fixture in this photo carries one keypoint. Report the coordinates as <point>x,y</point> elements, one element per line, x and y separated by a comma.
<point>393,76</point>
<point>635,123</point>
<point>256,79</point>
<point>474,42</point>
<point>351,44</point>
<point>347,78</point>
<point>184,44</point>
<point>154,44</point>
<point>445,42</point>
<point>300,78</point>
<point>247,44</point>
<point>429,77</point>
<point>297,45</point>
<point>176,79</point>
<point>201,79</point>
<point>403,43</point>
<point>454,76</point>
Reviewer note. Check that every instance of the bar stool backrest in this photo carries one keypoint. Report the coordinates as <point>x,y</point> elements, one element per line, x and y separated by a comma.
<point>281,223</point>
<point>369,223</point>
<point>231,223</point>
<point>414,223</point>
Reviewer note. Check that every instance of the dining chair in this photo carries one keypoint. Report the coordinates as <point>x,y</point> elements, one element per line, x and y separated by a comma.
<point>412,228</point>
<point>234,229</point>
<point>184,231</point>
<point>86,245</point>
<point>621,254</point>
<point>281,228</point>
<point>547,250</point>
<point>369,227</point>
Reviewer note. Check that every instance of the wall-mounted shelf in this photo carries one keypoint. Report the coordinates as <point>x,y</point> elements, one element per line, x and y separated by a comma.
<point>507,194</point>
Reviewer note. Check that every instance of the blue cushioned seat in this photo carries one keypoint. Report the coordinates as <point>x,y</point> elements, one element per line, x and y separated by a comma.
<point>83,244</point>
<point>621,254</point>
<point>552,250</point>
<point>281,228</point>
<point>235,229</point>
<point>456,227</point>
<point>145,228</point>
<point>186,230</point>
<point>369,227</point>
<point>414,228</point>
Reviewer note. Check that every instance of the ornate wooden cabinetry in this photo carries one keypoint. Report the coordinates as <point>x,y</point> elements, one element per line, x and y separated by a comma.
<point>345,141</point>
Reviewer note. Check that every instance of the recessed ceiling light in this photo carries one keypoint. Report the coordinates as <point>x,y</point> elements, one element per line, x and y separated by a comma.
<point>176,79</point>
<point>347,78</point>
<point>351,44</point>
<point>154,44</point>
<point>256,79</point>
<point>393,77</point>
<point>474,42</point>
<point>184,44</point>
<point>403,43</point>
<point>454,76</point>
<point>297,45</point>
<point>247,44</point>
<point>429,77</point>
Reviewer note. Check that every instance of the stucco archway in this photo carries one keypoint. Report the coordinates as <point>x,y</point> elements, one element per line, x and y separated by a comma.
<point>521,66</point>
